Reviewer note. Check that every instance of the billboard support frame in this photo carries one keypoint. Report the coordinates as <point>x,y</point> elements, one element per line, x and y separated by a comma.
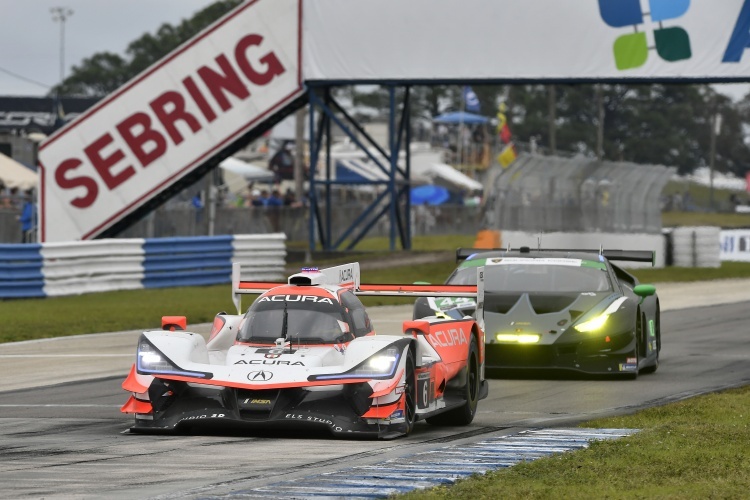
<point>397,206</point>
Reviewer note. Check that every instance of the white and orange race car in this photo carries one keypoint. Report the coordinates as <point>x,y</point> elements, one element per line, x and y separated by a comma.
<point>306,354</point>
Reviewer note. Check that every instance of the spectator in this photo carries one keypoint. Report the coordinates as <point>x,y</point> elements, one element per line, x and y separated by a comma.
<point>255,199</point>
<point>275,199</point>
<point>290,199</point>
<point>263,198</point>
<point>28,218</point>
<point>5,201</point>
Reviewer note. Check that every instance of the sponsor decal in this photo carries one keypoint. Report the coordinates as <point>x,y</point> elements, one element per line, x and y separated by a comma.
<point>277,362</point>
<point>198,417</point>
<point>346,275</point>
<point>274,353</point>
<point>631,50</point>
<point>631,361</point>
<point>259,376</point>
<point>340,348</point>
<point>451,302</point>
<point>249,401</point>
<point>448,338</point>
<point>628,368</point>
<point>296,298</point>
<point>651,329</point>
<point>311,418</point>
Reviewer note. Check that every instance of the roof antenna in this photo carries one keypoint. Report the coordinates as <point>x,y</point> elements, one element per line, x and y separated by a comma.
<point>539,242</point>
<point>601,249</point>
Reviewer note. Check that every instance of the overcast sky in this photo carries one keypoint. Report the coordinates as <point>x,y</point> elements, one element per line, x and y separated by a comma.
<point>30,39</point>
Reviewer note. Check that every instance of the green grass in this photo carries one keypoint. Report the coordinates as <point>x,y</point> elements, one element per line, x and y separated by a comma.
<point>697,448</point>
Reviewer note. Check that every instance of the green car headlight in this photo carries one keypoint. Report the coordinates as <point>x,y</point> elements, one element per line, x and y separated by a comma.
<point>598,322</point>
<point>593,324</point>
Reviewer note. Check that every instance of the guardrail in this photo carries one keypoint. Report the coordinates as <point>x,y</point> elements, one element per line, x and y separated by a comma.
<point>55,269</point>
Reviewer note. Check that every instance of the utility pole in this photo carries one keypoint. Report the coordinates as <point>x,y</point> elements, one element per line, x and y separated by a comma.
<point>600,124</point>
<point>61,14</point>
<point>715,131</point>
<point>552,113</point>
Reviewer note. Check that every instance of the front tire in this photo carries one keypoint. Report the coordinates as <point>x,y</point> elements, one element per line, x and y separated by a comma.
<point>464,415</point>
<point>410,395</point>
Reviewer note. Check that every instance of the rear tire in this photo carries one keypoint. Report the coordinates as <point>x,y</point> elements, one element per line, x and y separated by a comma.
<point>464,414</point>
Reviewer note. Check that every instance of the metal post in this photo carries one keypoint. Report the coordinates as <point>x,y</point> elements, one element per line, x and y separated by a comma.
<point>552,108</point>
<point>394,163</point>
<point>61,14</point>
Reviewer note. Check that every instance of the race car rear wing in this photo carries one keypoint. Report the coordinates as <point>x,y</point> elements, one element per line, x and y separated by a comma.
<point>347,276</point>
<point>622,255</point>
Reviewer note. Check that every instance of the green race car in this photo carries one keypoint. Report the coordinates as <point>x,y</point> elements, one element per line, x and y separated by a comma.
<point>559,309</point>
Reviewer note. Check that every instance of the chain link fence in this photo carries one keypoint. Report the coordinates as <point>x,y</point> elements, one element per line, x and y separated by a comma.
<point>547,193</point>
<point>536,193</point>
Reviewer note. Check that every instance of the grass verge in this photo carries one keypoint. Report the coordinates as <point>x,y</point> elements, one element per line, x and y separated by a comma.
<point>696,448</point>
<point>28,319</point>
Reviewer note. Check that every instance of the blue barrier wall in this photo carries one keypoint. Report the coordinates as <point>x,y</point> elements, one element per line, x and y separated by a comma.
<point>54,269</point>
<point>21,271</point>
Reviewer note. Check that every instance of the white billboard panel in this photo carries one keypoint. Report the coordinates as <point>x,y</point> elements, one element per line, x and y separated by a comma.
<point>170,119</point>
<point>464,40</point>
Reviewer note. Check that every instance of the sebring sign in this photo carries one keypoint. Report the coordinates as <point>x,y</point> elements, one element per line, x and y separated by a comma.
<point>170,119</point>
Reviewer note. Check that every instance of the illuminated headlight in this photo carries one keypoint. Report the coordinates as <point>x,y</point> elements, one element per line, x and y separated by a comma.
<point>598,322</point>
<point>150,360</point>
<point>592,325</point>
<point>527,338</point>
<point>383,363</point>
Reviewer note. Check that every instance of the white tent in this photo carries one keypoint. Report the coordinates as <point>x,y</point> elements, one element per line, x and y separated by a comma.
<point>13,174</point>
<point>238,174</point>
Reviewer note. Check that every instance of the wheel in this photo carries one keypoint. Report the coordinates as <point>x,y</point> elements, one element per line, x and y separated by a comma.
<point>639,331</point>
<point>464,414</point>
<point>410,394</point>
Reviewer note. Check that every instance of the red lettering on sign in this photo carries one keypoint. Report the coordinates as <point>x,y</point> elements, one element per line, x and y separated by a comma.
<point>137,142</point>
<point>201,101</point>
<point>150,132</point>
<point>217,83</point>
<point>92,190</point>
<point>274,66</point>
<point>168,118</point>
<point>103,165</point>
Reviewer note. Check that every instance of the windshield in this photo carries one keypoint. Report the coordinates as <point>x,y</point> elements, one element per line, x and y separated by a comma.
<point>463,276</point>
<point>307,322</point>
<point>518,277</point>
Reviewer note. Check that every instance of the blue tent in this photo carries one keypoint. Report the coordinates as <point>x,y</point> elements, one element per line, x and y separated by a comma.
<point>429,194</point>
<point>457,117</point>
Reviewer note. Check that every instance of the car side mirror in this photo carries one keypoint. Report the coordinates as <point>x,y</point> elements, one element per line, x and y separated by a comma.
<point>644,291</point>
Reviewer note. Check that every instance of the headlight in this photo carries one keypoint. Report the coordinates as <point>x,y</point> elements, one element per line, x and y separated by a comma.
<point>526,338</point>
<point>598,322</point>
<point>593,324</point>
<point>150,360</point>
<point>383,363</point>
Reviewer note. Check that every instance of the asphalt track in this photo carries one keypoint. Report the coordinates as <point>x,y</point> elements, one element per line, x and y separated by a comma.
<point>62,436</point>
